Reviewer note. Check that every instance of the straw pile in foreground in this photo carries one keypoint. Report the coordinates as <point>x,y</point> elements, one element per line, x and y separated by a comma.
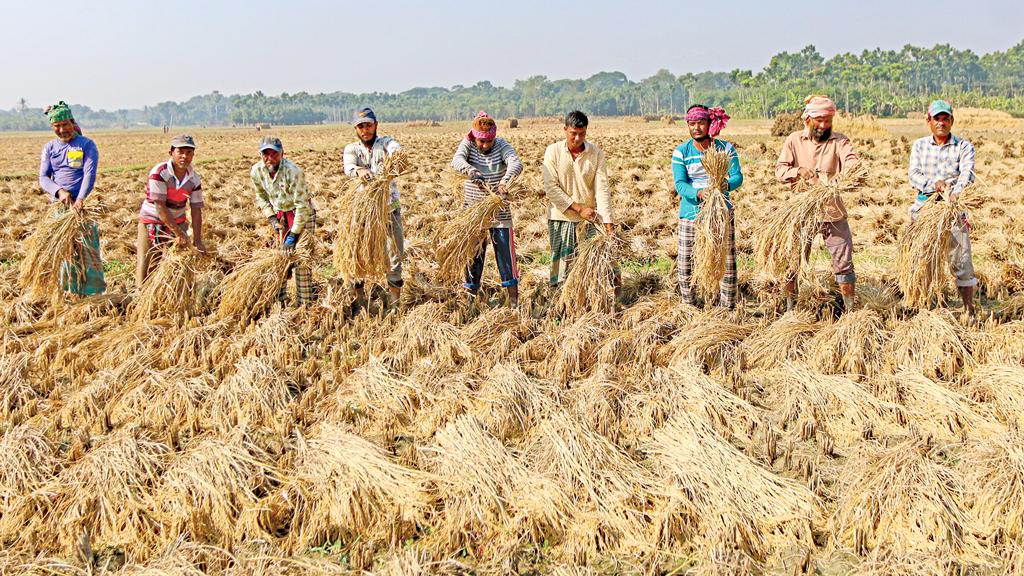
<point>710,227</point>
<point>364,223</point>
<point>51,246</point>
<point>169,292</point>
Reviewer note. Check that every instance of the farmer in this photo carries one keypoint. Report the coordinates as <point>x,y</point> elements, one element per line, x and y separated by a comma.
<point>364,159</point>
<point>490,163</point>
<point>171,186</point>
<point>282,197</point>
<point>817,152</point>
<point>941,166</point>
<point>576,185</point>
<point>67,173</point>
<point>691,180</point>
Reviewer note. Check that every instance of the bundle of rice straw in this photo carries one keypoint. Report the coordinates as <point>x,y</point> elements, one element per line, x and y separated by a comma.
<point>253,286</point>
<point>364,226</point>
<point>56,249</point>
<point>169,292</point>
<point>588,286</point>
<point>782,245</point>
<point>459,239</point>
<point>922,265</point>
<point>709,242</point>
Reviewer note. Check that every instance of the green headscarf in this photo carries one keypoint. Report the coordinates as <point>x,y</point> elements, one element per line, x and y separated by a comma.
<point>59,112</point>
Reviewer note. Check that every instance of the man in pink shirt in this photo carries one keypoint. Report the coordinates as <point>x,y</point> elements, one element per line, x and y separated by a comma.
<point>818,152</point>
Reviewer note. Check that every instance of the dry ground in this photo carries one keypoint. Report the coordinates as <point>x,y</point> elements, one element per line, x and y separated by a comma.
<point>655,439</point>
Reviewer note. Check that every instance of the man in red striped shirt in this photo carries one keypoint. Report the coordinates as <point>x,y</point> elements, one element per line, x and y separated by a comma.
<point>172,187</point>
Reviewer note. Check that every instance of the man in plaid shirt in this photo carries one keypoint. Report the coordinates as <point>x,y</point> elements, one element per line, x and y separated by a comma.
<point>941,166</point>
<point>282,196</point>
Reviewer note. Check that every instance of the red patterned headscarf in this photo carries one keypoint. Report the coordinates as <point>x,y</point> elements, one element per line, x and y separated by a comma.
<point>716,117</point>
<point>484,127</point>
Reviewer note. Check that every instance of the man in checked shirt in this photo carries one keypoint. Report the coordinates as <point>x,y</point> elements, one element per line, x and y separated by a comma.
<point>941,166</point>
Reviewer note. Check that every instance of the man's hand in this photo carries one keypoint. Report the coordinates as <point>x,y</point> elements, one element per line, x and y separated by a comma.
<point>954,196</point>
<point>587,213</point>
<point>610,229</point>
<point>289,242</point>
<point>940,186</point>
<point>78,205</point>
<point>805,174</point>
<point>700,194</point>
<point>275,223</point>
<point>180,239</point>
<point>364,173</point>
<point>502,191</point>
<point>64,196</point>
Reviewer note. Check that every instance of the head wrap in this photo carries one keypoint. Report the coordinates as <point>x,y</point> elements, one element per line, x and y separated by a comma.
<point>484,127</point>
<point>59,112</point>
<point>698,113</point>
<point>718,121</point>
<point>818,106</point>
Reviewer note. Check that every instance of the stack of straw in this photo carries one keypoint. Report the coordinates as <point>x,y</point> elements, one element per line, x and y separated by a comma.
<point>588,287</point>
<point>169,292</point>
<point>254,286</point>
<point>365,223</point>
<point>460,238</point>
<point>709,244</point>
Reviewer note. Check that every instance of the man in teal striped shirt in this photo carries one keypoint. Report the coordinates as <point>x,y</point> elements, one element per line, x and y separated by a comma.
<point>690,181</point>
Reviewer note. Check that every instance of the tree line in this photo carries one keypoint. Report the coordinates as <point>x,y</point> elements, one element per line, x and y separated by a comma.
<point>879,82</point>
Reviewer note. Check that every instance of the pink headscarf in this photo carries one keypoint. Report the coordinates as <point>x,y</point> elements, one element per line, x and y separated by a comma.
<point>478,132</point>
<point>716,117</point>
<point>818,106</point>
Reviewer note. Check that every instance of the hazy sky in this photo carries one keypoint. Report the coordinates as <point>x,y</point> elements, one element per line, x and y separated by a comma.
<point>116,53</point>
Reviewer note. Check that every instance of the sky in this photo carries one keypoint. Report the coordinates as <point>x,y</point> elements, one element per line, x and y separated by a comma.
<point>127,54</point>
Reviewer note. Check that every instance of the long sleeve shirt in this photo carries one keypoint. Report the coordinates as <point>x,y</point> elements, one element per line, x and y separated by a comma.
<point>495,167</point>
<point>162,184</point>
<point>284,192</point>
<point>583,180</point>
<point>930,162</point>
<point>357,155</point>
<point>69,165</point>
<point>827,158</point>
<point>690,176</point>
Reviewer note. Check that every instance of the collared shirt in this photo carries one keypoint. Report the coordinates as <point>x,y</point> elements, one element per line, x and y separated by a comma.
<point>931,162</point>
<point>583,179</point>
<point>162,184</point>
<point>69,165</point>
<point>285,191</point>
<point>690,176</point>
<point>357,156</point>
<point>495,167</point>
<point>827,158</point>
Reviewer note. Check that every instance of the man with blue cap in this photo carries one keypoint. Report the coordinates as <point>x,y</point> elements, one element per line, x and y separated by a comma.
<point>283,198</point>
<point>364,159</point>
<point>941,167</point>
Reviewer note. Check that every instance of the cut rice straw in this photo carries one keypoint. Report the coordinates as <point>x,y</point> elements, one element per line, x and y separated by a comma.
<point>711,225</point>
<point>254,285</point>
<point>57,248</point>
<point>589,285</point>
<point>364,227</point>
<point>169,292</point>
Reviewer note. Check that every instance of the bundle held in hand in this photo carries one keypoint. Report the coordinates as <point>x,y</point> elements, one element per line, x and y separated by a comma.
<point>783,245</point>
<point>460,238</point>
<point>63,256</point>
<point>360,251</point>
<point>709,244</point>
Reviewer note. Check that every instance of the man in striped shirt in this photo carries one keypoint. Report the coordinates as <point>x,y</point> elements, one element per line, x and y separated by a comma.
<point>172,187</point>
<point>691,180</point>
<point>283,198</point>
<point>490,162</point>
<point>364,159</point>
<point>941,167</point>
